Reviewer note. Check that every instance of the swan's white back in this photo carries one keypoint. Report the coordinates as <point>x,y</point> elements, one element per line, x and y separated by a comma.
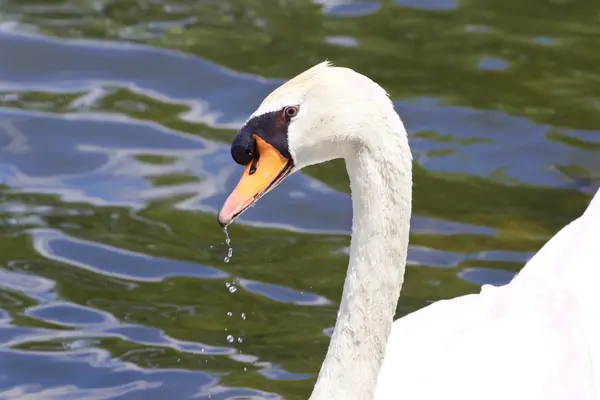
<point>535,338</point>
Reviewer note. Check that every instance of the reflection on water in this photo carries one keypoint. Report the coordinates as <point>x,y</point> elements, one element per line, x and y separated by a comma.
<point>115,123</point>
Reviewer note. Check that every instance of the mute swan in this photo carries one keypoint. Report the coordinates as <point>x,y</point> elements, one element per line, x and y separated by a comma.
<point>536,338</point>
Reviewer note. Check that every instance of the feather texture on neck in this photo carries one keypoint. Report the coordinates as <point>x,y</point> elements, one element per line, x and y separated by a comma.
<point>381,185</point>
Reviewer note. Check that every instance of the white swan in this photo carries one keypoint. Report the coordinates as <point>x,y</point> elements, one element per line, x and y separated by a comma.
<point>535,338</point>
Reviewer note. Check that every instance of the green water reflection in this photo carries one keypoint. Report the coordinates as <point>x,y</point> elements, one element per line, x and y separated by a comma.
<point>533,60</point>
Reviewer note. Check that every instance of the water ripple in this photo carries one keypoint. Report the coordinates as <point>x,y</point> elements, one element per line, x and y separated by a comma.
<point>111,261</point>
<point>114,157</point>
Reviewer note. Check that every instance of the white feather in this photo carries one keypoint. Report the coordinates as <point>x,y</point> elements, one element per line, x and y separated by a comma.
<point>537,338</point>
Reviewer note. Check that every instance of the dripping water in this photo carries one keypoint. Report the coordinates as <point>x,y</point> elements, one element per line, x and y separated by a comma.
<point>231,286</point>
<point>229,248</point>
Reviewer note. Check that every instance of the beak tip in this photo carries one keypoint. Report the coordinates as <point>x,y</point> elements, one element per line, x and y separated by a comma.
<point>223,222</point>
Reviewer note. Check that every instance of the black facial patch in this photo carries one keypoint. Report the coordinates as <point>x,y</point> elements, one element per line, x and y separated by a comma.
<point>271,127</point>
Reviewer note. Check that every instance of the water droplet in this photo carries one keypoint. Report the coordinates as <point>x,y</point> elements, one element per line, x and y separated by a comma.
<point>232,289</point>
<point>229,339</point>
<point>230,249</point>
<point>229,313</point>
<point>243,315</point>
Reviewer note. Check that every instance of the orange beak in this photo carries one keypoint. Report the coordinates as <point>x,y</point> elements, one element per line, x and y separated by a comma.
<point>262,174</point>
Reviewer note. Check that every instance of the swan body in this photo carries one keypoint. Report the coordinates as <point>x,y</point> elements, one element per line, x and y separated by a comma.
<point>537,337</point>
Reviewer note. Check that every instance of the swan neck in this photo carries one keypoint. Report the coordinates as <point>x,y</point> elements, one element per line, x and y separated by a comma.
<point>381,186</point>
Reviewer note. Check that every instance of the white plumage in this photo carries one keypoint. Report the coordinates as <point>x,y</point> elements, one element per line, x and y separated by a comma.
<point>537,338</point>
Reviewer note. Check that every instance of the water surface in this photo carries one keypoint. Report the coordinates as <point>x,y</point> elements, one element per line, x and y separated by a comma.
<point>115,124</point>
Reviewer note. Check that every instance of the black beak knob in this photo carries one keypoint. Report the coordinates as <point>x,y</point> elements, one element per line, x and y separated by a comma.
<point>243,148</point>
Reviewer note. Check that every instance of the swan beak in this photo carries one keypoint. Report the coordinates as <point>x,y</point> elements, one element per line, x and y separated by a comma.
<point>263,173</point>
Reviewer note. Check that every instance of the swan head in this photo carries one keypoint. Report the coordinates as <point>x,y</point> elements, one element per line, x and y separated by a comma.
<point>324,113</point>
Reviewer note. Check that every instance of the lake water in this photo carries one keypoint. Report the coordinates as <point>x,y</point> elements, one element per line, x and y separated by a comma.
<point>115,124</point>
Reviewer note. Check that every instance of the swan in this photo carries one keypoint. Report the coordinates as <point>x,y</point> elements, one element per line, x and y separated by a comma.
<point>537,337</point>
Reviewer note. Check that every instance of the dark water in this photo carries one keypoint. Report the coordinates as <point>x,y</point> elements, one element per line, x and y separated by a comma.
<point>115,122</point>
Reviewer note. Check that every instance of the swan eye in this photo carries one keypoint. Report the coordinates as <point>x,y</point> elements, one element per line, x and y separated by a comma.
<point>290,112</point>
